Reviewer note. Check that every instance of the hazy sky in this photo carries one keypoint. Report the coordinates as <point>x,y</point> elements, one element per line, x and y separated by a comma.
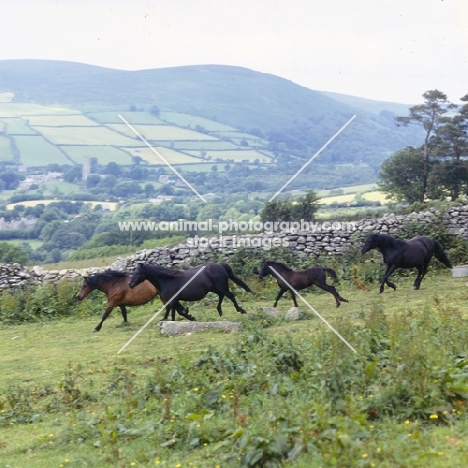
<point>378,49</point>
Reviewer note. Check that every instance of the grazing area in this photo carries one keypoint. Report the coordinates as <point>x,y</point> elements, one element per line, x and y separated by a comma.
<point>277,392</point>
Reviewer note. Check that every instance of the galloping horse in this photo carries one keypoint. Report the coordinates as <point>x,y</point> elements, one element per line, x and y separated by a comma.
<point>114,284</point>
<point>415,253</point>
<point>213,278</point>
<point>299,279</point>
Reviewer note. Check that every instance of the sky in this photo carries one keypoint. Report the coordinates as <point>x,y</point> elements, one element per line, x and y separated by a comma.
<point>377,49</point>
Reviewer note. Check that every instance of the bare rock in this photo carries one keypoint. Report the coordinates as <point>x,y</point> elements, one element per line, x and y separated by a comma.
<point>272,311</point>
<point>181,328</point>
<point>294,313</point>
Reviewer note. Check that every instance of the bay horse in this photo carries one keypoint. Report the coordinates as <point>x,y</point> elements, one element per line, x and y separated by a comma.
<point>415,253</point>
<point>299,279</point>
<point>213,278</point>
<point>114,284</point>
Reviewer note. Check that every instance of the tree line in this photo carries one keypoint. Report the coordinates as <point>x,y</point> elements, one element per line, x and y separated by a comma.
<point>438,168</point>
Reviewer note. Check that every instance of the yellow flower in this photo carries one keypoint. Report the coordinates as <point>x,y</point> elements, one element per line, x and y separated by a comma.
<point>434,416</point>
<point>157,462</point>
<point>364,455</point>
<point>195,389</point>
<point>132,464</point>
<point>371,427</point>
<point>223,396</point>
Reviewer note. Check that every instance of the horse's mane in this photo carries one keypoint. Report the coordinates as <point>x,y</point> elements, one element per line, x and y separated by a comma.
<point>108,275</point>
<point>389,241</point>
<point>282,265</point>
<point>162,272</point>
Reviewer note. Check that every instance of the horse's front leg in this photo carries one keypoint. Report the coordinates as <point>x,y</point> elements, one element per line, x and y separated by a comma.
<point>279,295</point>
<point>104,316</point>
<point>388,272</point>
<point>123,309</point>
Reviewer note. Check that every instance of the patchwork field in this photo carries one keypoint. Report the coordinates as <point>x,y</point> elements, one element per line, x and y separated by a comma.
<point>67,136</point>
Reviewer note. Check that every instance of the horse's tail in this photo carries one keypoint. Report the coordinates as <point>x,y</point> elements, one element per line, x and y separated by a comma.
<point>234,278</point>
<point>441,255</point>
<point>330,272</point>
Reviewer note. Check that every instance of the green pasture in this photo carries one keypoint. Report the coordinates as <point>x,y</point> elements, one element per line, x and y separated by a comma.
<point>18,126</point>
<point>204,145</point>
<point>160,132</point>
<point>186,120</point>
<point>19,109</point>
<point>286,393</point>
<point>137,117</point>
<point>51,188</point>
<point>78,120</point>
<point>239,155</point>
<point>6,153</point>
<point>171,156</point>
<point>86,136</point>
<point>104,154</point>
<point>37,151</point>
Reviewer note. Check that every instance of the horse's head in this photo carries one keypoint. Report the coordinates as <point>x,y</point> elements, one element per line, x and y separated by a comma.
<point>264,270</point>
<point>137,277</point>
<point>86,288</point>
<point>370,243</point>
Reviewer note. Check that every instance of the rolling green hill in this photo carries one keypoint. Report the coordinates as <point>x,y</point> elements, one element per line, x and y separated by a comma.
<point>294,120</point>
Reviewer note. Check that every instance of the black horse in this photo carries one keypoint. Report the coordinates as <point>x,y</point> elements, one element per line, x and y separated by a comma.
<point>415,253</point>
<point>213,278</point>
<point>299,279</point>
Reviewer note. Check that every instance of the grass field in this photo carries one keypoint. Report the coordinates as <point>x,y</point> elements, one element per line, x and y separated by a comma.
<point>130,117</point>
<point>37,151</point>
<point>161,132</point>
<point>213,399</point>
<point>85,136</point>
<point>18,126</point>
<point>104,154</point>
<point>171,156</point>
<point>5,149</point>
<point>18,109</point>
<point>185,120</point>
<point>62,121</point>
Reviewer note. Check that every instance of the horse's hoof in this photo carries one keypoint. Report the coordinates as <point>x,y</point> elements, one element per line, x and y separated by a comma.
<point>95,330</point>
<point>338,305</point>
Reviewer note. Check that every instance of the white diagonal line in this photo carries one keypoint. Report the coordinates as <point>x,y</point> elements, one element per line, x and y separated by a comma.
<point>177,173</point>
<point>161,309</point>
<point>315,312</point>
<point>312,158</point>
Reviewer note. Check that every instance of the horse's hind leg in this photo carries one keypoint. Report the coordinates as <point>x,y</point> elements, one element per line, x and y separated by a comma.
<point>220,301</point>
<point>104,316</point>
<point>293,297</point>
<point>332,290</point>
<point>422,270</point>
<point>231,296</point>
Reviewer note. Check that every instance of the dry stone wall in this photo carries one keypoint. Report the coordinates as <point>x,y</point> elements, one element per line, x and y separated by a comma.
<point>323,239</point>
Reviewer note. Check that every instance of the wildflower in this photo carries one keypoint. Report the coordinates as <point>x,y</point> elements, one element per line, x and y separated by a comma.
<point>223,396</point>
<point>407,421</point>
<point>364,455</point>
<point>132,464</point>
<point>434,416</point>
<point>371,427</point>
<point>195,389</point>
<point>157,462</point>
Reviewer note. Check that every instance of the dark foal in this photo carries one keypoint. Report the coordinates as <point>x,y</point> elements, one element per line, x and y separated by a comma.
<point>299,279</point>
<point>175,284</point>
<point>415,253</point>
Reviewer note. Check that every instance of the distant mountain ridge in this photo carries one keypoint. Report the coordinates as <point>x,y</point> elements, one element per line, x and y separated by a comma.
<point>296,120</point>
